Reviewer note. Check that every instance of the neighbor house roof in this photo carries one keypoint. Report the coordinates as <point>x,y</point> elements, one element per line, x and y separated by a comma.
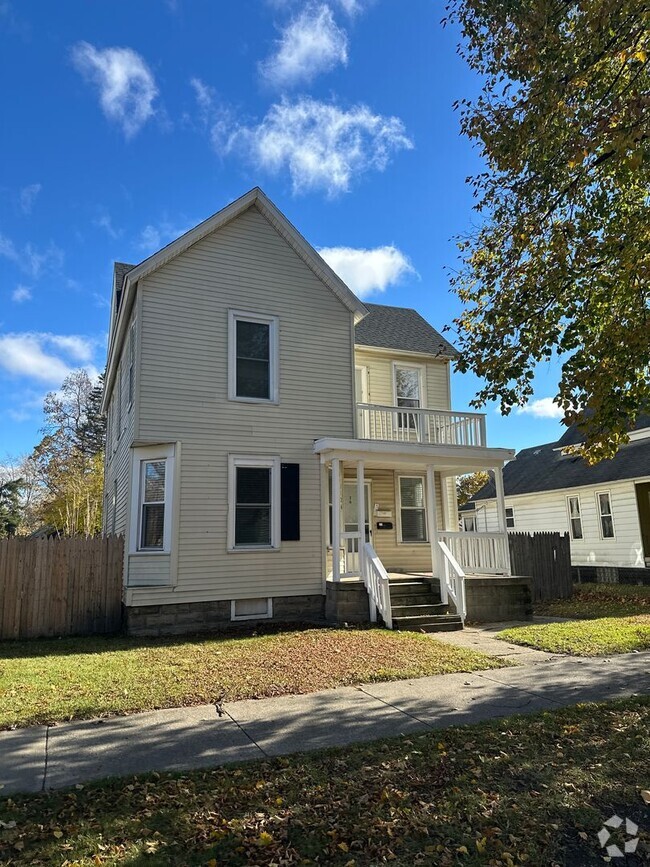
<point>401,328</point>
<point>546,468</point>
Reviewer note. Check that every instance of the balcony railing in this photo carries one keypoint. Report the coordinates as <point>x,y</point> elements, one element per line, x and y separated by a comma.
<point>429,426</point>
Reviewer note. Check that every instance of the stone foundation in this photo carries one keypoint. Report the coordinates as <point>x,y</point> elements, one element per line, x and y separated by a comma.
<point>346,602</point>
<point>186,618</point>
<point>611,574</point>
<point>490,600</point>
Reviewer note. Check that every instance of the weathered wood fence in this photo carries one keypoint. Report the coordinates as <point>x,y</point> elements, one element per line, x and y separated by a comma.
<point>53,587</point>
<point>546,558</point>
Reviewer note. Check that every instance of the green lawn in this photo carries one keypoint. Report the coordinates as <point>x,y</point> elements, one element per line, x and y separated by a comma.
<point>77,678</point>
<point>607,618</point>
<point>519,791</point>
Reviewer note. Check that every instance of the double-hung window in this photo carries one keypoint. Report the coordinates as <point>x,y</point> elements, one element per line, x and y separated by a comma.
<point>605,514</point>
<point>254,507</point>
<point>151,513</point>
<point>253,357</point>
<point>408,394</point>
<point>575,517</point>
<point>131,362</point>
<point>413,522</point>
<point>510,518</point>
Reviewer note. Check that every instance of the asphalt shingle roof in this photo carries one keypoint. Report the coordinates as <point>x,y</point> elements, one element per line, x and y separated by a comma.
<point>545,468</point>
<point>401,328</point>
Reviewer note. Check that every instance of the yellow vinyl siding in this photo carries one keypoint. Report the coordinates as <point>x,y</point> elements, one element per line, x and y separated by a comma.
<point>380,385</point>
<point>183,397</point>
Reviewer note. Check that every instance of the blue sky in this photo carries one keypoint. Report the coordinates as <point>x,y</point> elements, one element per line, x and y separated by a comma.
<point>126,123</point>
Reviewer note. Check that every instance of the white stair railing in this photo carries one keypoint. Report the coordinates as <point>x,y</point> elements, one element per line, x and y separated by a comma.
<point>375,577</point>
<point>452,581</point>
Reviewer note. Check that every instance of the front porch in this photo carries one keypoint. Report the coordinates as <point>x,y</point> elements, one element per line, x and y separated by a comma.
<point>403,495</point>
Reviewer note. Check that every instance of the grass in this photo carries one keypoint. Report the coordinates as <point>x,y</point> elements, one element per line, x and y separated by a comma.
<point>599,600</point>
<point>519,791</point>
<point>78,678</point>
<point>599,637</point>
<point>607,619</point>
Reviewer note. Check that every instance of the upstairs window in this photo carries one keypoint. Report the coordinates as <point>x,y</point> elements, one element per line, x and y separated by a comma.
<point>575,518</point>
<point>131,361</point>
<point>408,393</point>
<point>510,518</point>
<point>253,357</point>
<point>605,514</point>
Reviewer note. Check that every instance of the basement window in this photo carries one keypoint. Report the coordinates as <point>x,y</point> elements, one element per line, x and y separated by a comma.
<point>251,609</point>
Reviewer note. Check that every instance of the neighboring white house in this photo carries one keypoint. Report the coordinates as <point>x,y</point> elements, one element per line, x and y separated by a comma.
<point>605,508</point>
<point>247,391</point>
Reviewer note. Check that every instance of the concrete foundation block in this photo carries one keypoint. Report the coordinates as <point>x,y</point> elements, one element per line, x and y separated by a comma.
<point>493,599</point>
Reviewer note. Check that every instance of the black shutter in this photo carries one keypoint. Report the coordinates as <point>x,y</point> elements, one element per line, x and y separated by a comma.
<point>290,502</point>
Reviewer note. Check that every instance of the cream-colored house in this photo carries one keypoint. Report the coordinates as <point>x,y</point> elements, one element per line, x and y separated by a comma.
<point>247,390</point>
<point>605,508</point>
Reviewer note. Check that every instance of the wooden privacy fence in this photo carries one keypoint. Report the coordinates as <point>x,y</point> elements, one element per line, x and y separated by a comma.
<point>52,587</point>
<point>546,558</point>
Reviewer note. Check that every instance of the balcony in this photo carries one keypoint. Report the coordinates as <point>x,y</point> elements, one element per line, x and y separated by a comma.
<point>427,426</point>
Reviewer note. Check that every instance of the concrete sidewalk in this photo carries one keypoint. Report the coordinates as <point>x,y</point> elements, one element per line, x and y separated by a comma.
<point>47,757</point>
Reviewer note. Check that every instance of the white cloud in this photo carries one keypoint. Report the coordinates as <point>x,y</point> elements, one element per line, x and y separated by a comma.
<point>127,87</point>
<point>351,7</point>
<point>20,294</point>
<point>104,222</point>
<point>310,44</point>
<point>27,197</point>
<point>31,260</point>
<point>153,238</point>
<point>543,407</point>
<point>322,146</point>
<point>45,357</point>
<point>368,271</point>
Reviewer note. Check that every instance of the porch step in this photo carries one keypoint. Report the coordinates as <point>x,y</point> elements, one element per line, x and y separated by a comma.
<point>429,623</point>
<point>424,597</point>
<point>406,586</point>
<point>419,609</point>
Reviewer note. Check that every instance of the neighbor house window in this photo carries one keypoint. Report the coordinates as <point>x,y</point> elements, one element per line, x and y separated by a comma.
<point>253,357</point>
<point>575,519</point>
<point>510,518</point>
<point>413,521</point>
<point>254,507</point>
<point>153,476</point>
<point>131,361</point>
<point>469,523</point>
<point>408,393</point>
<point>605,513</point>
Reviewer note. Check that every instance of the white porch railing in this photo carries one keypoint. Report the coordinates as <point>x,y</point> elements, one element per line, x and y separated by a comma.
<point>429,426</point>
<point>375,578</point>
<point>479,553</point>
<point>452,581</point>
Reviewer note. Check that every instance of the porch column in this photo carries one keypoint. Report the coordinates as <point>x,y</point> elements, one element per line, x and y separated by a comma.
<point>432,530</point>
<point>336,519</point>
<point>501,514</point>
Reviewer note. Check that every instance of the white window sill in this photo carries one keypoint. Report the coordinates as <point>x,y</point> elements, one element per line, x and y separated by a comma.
<point>264,400</point>
<point>149,553</point>
<point>247,549</point>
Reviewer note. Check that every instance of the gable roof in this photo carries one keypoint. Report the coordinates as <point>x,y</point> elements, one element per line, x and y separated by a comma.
<point>546,468</point>
<point>254,198</point>
<point>401,328</point>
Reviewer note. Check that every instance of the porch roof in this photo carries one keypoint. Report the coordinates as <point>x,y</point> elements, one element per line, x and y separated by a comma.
<point>455,460</point>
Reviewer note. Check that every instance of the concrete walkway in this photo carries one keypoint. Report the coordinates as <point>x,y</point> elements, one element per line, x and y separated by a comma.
<point>47,757</point>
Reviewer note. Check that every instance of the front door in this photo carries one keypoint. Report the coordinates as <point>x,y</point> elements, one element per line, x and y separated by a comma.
<point>643,504</point>
<point>351,526</point>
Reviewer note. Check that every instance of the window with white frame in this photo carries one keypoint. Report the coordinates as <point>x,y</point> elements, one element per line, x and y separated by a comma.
<point>605,513</point>
<point>118,398</point>
<point>469,523</point>
<point>510,518</point>
<point>408,393</point>
<point>131,362</point>
<point>251,609</point>
<point>413,521</point>
<point>575,517</point>
<point>254,503</point>
<point>253,357</point>
<point>151,513</point>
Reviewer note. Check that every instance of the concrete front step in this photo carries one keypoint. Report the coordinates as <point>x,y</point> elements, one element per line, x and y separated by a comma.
<point>424,598</point>
<point>403,586</point>
<point>419,609</point>
<point>428,623</point>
